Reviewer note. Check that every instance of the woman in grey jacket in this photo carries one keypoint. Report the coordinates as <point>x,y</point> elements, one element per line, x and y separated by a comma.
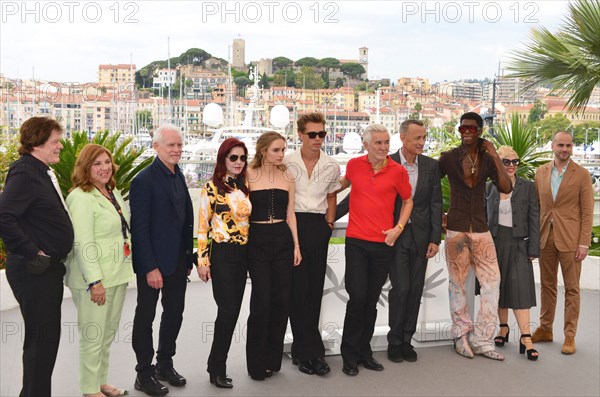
<point>514,223</point>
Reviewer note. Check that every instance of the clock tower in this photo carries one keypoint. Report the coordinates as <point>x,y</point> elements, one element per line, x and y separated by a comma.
<point>363,60</point>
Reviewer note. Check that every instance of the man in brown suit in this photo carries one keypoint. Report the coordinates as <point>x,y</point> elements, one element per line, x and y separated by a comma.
<point>566,211</point>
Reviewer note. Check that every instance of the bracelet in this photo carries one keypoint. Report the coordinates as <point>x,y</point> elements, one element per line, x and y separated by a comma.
<point>93,285</point>
<point>400,226</point>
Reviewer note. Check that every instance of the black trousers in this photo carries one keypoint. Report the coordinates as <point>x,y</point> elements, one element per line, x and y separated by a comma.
<point>173,302</point>
<point>367,268</point>
<point>229,271</point>
<point>407,275</point>
<point>270,262</point>
<point>307,286</point>
<point>40,299</point>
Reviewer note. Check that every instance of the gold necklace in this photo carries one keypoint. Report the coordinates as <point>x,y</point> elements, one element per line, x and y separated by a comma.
<point>382,165</point>
<point>473,163</point>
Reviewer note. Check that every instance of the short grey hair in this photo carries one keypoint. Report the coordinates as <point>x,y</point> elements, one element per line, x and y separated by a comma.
<point>371,129</point>
<point>407,123</point>
<point>160,131</point>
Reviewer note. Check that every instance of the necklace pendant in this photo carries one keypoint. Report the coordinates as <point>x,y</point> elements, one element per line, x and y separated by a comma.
<point>472,170</point>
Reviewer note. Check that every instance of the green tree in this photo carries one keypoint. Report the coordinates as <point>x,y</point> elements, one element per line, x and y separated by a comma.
<point>241,83</point>
<point>282,62</point>
<point>307,61</point>
<point>308,78</point>
<point>143,118</point>
<point>328,63</point>
<point>537,112</point>
<point>522,138</point>
<point>568,60</point>
<point>580,130</point>
<point>353,70</point>
<point>339,82</point>
<point>9,146</point>
<point>416,115</point>
<point>549,125</point>
<point>264,81</point>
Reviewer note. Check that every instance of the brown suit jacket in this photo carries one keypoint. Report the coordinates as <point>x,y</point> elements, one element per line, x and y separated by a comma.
<point>571,215</point>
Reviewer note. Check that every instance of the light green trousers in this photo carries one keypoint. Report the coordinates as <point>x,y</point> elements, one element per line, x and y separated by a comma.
<point>97,328</point>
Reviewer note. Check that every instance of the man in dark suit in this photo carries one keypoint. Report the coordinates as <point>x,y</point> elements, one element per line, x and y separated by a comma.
<point>38,233</point>
<point>162,240</point>
<point>417,244</point>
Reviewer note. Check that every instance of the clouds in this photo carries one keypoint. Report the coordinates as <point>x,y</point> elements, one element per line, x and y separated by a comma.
<point>441,40</point>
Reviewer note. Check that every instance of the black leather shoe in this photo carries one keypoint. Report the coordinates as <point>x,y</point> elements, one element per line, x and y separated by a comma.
<point>221,381</point>
<point>320,366</point>
<point>350,368</point>
<point>151,386</point>
<point>304,366</point>
<point>409,353</point>
<point>171,376</point>
<point>372,364</point>
<point>394,353</point>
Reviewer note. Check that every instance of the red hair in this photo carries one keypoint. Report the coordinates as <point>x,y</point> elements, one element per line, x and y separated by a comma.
<point>221,169</point>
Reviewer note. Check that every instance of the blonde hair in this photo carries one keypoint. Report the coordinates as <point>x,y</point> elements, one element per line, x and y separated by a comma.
<point>82,173</point>
<point>262,144</point>
<point>504,151</point>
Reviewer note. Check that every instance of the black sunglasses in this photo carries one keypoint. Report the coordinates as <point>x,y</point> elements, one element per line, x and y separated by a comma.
<point>313,135</point>
<point>234,157</point>
<point>508,162</point>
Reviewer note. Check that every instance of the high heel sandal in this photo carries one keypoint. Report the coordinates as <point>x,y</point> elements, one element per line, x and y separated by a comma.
<point>530,352</point>
<point>501,340</point>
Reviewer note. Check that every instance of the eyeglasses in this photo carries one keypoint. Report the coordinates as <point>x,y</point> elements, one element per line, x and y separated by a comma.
<point>471,128</point>
<point>234,157</point>
<point>508,162</point>
<point>313,135</point>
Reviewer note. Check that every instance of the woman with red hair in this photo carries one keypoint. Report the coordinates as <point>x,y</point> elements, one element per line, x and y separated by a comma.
<point>224,216</point>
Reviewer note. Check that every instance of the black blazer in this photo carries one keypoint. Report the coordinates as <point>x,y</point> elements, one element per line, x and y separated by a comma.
<point>426,215</point>
<point>525,213</point>
<point>157,230</point>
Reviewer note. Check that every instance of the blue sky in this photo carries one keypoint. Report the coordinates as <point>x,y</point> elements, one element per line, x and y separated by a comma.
<point>441,40</point>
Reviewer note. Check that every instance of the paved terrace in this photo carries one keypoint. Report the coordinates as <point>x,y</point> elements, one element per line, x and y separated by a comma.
<point>438,372</point>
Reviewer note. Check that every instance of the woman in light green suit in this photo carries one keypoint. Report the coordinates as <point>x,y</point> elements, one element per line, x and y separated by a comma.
<point>100,265</point>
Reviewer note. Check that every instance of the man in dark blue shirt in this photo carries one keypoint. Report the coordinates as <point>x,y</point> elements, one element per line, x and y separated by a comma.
<point>162,224</point>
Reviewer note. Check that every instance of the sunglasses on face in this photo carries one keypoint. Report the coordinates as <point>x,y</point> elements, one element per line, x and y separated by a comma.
<point>234,157</point>
<point>313,135</point>
<point>508,162</point>
<point>471,128</point>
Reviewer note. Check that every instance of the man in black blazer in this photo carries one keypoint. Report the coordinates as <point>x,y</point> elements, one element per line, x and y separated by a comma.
<point>162,243</point>
<point>417,244</point>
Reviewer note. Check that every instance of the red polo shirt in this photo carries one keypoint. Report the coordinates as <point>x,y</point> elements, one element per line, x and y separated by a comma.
<point>373,197</point>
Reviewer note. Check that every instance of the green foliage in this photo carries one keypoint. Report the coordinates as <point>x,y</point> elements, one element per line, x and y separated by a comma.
<point>537,112</point>
<point>264,81</point>
<point>354,70</point>
<point>579,132</point>
<point>521,137</point>
<point>143,118</point>
<point>549,125</point>
<point>284,78</point>
<point>124,156</point>
<point>568,60</point>
<point>282,62</point>
<point>329,63</point>
<point>9,146</point>
<point>307,61</point>
<point>339,82</point>
<point>308,78</point>
<point>2,255</point>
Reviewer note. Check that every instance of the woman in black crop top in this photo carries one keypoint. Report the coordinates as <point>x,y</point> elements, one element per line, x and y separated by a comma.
<point>273,250</point>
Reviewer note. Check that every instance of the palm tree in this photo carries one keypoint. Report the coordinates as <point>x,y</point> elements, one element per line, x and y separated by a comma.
<point>517,134</point>
<point>568,60</point>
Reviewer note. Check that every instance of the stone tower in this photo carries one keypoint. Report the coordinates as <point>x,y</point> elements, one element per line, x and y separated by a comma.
<point>239,54</point>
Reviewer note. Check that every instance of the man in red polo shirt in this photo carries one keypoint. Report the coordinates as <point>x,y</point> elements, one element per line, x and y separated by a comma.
<point>370,236</point>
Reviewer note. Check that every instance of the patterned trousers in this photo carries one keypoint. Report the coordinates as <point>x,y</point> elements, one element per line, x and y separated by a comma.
<point>465,249</point>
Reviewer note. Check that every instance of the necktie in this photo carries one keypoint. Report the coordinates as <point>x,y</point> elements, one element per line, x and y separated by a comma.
<point>54,180</point>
